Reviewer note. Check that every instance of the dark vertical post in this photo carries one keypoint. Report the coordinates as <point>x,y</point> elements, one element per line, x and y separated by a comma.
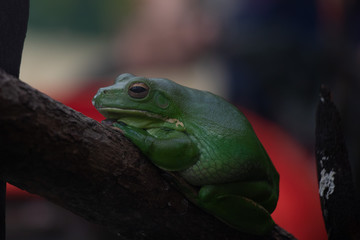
<point>336,189</point>
<point>14,16</point>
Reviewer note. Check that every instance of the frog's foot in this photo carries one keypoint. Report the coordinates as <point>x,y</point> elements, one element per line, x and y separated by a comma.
<point>108,122</point>
<point>243,205</point>
<point>241,213</point>
<point>113,124</point>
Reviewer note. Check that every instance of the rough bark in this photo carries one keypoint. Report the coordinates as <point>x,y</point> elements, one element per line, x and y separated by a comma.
<point>92,170</point>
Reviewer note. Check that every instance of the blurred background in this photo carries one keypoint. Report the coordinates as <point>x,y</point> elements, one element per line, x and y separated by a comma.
<point>269,57</point>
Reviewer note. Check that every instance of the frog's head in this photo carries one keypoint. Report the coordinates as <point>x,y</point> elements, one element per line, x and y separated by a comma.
<point>141,102</point>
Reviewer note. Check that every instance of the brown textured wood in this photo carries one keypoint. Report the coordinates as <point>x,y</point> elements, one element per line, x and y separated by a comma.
<point>91,169</point>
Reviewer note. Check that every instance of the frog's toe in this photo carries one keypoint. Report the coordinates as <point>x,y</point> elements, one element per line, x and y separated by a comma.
<point>241,213</point>
<point>120,126</point>
<point>108,122</point>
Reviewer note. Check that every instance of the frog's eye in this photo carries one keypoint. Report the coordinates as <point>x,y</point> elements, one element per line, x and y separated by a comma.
<point>138,90</point>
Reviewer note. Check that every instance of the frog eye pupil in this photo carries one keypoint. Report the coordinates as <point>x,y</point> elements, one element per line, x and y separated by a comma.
<point>138,90</point>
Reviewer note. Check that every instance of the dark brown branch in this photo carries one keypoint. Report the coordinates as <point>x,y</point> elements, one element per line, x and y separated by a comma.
<point>14,16</point>
<point>337,193</point>
<point>92,170</point>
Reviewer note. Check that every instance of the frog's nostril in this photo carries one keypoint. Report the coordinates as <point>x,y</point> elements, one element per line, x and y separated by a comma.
<point>105,91</point>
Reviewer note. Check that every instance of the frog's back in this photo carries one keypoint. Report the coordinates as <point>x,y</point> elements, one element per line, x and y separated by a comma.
<point>229,148</point>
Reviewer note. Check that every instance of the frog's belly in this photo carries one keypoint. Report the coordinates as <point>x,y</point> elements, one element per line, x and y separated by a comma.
<point>206,172</point>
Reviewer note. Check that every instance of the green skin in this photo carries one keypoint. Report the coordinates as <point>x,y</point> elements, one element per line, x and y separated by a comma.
<point>204,138</point>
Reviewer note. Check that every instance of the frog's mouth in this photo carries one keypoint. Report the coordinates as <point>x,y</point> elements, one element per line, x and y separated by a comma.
<point>139,118</point>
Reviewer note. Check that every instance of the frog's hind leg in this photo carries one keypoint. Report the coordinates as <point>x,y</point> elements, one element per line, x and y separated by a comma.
<point>239,205</point>
<point>241,213</point>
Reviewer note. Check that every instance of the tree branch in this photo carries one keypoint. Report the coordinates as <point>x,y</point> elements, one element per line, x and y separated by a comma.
<point>14,16</point>
<point>92,170</point>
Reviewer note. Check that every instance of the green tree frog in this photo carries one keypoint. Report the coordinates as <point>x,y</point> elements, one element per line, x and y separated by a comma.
<point>208,141</point>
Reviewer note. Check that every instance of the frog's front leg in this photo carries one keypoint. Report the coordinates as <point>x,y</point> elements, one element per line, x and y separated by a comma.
<point>169,149</point>
<point>243,205</point>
